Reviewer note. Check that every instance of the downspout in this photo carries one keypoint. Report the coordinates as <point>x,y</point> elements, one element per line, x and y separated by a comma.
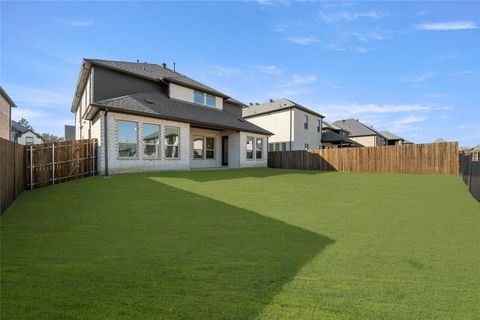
<point>290,144</point>
<point>105,139</point>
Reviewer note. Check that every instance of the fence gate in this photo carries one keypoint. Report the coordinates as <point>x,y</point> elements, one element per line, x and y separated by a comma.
<point>51,163</point>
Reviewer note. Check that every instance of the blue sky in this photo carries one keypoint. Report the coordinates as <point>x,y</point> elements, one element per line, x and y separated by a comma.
<point>409,67</point>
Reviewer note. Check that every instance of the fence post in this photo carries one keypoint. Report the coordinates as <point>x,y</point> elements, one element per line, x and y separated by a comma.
<point>53,163</point>
<point>31,167</point>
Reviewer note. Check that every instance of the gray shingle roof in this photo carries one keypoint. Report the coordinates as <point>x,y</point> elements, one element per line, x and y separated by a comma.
<point>18,128</point>
<point>276,105</point>
<point>390,136</point>
<point>331,136</point>
<point>356,128</point>
<point>158,105</point>
<point>155,72</point>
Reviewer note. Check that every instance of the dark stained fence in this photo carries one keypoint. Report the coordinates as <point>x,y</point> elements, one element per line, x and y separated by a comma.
<point>470,172</point>
<point>12,180</point>
<point>52,163</point>
<point>434,158</point>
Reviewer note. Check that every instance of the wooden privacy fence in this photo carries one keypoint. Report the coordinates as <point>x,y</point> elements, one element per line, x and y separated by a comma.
<point>470,172</point>
<point>51,163</point>
<point>434,158</point>
<point>12,166</point>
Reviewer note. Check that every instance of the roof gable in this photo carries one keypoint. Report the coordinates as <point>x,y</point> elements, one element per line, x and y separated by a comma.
<point>356,128</point>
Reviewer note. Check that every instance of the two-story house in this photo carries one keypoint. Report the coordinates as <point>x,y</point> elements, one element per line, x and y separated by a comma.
<point>335,137</point>
<point>148,117</point>
<point>23,135</point>
<point>6,105</point>
<point>295,127</point>
<point>361,133</point>
<point>392,138</point>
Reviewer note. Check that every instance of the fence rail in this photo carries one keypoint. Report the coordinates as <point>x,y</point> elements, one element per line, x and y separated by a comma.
<point>51,163</point>
<point>434,158</point>
<point>470,172</point>
<point>12,179</point>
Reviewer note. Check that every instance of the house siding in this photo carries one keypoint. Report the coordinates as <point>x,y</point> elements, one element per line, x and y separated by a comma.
<point>248,163</point>
<point>232,108</point>
<point>207,163</point>
<point>5,120</point>
<point>22,138</point>
<point>370,141</point>
<point>304,136</point>
<point>110,84</point>
<point>82,127</point>
<point>277,123</point>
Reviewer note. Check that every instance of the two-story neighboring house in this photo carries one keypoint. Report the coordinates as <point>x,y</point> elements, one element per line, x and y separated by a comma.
<point>336,137</point>
<point>295,127</point>
<point>361,133</point>
<point>6,105</point>
<point>392,139</point>
<point>148,117</point>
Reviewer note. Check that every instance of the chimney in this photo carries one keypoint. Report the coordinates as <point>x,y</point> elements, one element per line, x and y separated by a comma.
<point>164,65</point>
<point>271,100</point>
<point>174,67</point>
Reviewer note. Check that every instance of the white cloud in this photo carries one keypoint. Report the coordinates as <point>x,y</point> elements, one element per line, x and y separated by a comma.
<point>407,123</point>
<point>351,16</point>
<point>445,26</point>
<point>280,28</point>
<point>269,69</point>
<point>43,121</point>
<point>362,50</point>
<point>461,73</point>
<point>365,37</point>
<point>418,77</point>
<point>298,80</point>
<point>226,71</point>
<point>78,23</point>
<point>304,41</point>
<point>40,97</point>
<point>421,13</point>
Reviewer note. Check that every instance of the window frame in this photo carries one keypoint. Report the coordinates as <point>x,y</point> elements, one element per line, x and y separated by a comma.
<point>166,145</point>
<point>27,143</point>
<point>203,147</point>
<point>256,149</point>
<point>158,144</point>
<point>307,146</point>
<point>250,138</point>
<point>134,157</point>
<point>305,122</point>
<point>195,92</point>
<point>319,125</point>
<point>207,149</point>
<point>214,100</point>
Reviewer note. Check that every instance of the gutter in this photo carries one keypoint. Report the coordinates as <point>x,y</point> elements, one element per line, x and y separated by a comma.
<point>105,138</point>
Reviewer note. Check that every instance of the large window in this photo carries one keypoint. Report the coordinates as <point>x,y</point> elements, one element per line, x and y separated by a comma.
<point>284,146</point>
<point>250,147</point>
<point>199,97</point>
<point>210,151</point>
<point>28,141</point>
<point>151,141</point>
<point>259,148</point>
<point>172,142</point>
<point>127,139</point>
<point>197,147</point>
<point>305,122</point>
<point>319,125</point>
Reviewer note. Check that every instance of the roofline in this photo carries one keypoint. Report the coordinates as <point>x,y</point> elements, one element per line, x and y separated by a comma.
<point>152,115</point>
<point>377,133</point>
<point>214,92</point>
<point>7,97</point>
<point>285,108</point>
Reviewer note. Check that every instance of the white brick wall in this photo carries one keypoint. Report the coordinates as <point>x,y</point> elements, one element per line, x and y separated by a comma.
<point>244,162</point>
<point>139,164</point>
<point>207,163</point>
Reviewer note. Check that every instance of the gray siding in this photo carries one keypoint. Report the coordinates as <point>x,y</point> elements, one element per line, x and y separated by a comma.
<point>232,108</point>
<point>110,84</point>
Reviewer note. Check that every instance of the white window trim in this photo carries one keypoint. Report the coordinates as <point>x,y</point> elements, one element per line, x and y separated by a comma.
<point>193,147</point>
<point>159,144</point>
<point>214,151</point>
<point>137,155</point>
<point>253,149</point>
<point>167,145</point>
<point>261,139</point>
<point>205,98</point>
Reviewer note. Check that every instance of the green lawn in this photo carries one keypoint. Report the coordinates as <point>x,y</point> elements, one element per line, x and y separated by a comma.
<point>242,244</point>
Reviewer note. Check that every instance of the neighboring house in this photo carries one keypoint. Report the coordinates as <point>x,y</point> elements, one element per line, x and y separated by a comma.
<point>23,135</point>
<point>69,133</point>
<point>336,137</point>
<point>361,133</point>
<point>148,117</point>
<point>6,105</point>
<point>295,127</point>
<point>392,139</point>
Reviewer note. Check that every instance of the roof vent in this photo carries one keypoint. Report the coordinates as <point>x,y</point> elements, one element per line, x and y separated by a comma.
<point>148,101</point>
<point>138,61</point>
<point>164,65</point>
<point>251,103</point>
<point>271,100</point>
<point>241,120</point>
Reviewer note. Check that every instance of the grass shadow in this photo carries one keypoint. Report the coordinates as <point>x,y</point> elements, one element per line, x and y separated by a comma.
<point>231,174</point>
<point>139,249</point>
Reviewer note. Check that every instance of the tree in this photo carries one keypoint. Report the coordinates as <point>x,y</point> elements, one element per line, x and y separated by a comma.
<point>24,122</point>
<point>47,137</point>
